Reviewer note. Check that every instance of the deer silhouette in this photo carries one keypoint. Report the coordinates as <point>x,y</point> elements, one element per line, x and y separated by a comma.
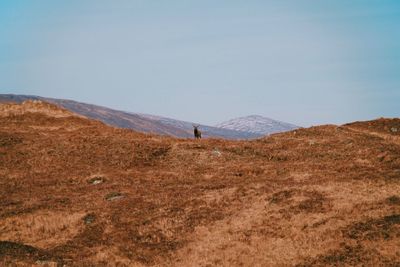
<point>196,131</point>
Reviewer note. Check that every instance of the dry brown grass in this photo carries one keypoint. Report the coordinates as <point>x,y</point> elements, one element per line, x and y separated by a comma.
<point>33,106</point>
<point>43,229</point>
<point>321,196</point>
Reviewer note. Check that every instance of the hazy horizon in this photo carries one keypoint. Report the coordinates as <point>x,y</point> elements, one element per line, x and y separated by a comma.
<point>302,62</point>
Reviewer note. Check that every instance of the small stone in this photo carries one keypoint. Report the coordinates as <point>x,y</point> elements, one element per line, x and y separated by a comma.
<point>393,130</point>
<point>88,219</point>
<point>114,196</point>
<point>96,180</point>
<point>216,152</point>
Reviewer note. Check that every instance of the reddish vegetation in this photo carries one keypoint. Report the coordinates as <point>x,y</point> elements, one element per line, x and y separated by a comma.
<point>77,192</point>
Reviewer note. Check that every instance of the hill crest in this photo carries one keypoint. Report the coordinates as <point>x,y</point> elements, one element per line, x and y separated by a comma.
<point>34,106</point>
<point>135,121</point>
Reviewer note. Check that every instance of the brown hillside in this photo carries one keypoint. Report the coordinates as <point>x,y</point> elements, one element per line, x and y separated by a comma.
<point>34,106</point>
<point>77,192</point>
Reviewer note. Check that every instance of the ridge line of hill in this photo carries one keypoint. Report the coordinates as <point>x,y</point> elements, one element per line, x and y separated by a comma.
<point>139,122</point>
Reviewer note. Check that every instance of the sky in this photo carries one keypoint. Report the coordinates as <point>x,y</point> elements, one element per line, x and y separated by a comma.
<point>306,62</point>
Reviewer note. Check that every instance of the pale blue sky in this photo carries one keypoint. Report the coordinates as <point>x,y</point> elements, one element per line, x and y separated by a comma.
<point>301,61</point>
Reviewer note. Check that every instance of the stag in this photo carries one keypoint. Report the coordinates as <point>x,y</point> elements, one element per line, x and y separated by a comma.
<point>196,131</point>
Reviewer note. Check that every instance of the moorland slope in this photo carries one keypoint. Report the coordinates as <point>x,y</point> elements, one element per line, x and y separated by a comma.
<point>77,192</point>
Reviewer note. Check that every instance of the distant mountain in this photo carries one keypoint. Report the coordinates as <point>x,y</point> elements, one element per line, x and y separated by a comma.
<point>206,130</point>
<point>257,125</point>
<point>138,122</point>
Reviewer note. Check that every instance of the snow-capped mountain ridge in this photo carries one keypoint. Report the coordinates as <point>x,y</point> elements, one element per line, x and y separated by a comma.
<point>257,124</point>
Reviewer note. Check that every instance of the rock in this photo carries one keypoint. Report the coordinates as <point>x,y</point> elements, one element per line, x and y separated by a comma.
<point>96,180</point>
<point>88,219</point>
<point>114,196</point>
<point>216,152</point>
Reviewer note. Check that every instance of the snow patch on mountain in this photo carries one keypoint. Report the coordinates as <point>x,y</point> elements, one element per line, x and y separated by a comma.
<point>257,124</point>
<point>207,131</point>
